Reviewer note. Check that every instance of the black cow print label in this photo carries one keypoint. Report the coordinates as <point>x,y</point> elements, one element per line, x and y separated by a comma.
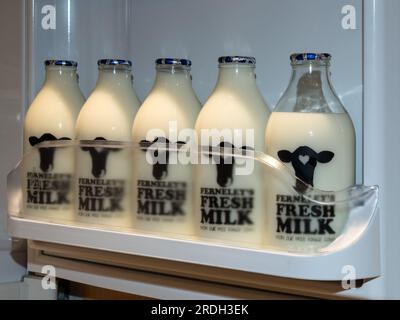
<point>297,218</point>
<point>160,155</point>
<point>98,196</point>
<point>45,189</point>
<point>158,199</point>
<point>225,164</point>
<point>46,154</point>
<point>99,158</point>
<point>226,209</point>
<point>304,161</point>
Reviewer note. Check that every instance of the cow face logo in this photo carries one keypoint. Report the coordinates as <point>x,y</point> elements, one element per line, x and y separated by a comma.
<point>225,164</point>
<point>99,158</point>
<point>160,157</point>
<point>46,154</point>
<point>304,161</point>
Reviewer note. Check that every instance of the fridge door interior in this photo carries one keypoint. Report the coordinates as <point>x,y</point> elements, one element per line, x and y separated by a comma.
<point>352,31</point>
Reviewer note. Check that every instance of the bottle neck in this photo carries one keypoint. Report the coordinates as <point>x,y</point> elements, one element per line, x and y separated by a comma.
<point>173,76</point>
<point>236,76</point>
<point>112,77</point>
<point>312,84</point>
<point>61,76</point>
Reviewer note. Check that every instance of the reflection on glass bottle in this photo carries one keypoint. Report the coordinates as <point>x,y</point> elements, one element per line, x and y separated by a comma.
<point>310,96</point>
<point>311,132</point>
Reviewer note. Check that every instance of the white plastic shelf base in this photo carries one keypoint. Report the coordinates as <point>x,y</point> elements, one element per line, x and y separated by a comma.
<point>361,255</point>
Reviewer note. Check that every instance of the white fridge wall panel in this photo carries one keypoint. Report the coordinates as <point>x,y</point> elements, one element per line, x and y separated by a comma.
<point>11,96</point>
<point>390,169</point>
<point>12,264</point>
<point>381,135</point>
<point>203,30</point>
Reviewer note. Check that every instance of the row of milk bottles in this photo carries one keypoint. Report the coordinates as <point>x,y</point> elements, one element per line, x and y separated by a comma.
<point>309,131</point>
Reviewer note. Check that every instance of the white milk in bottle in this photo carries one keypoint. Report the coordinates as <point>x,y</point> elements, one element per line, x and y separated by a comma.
<point>311,132</point>
<point>102,182</point>
<point>229,198</point>
<point>48,171</point>
<point>162,186</point>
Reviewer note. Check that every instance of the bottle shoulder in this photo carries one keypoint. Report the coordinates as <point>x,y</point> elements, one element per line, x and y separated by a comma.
<point>50,97</point>
<point>313,126</point>
<point>228,108</point>
<point>53,111</point>
<point>106,115</point>
<point>173,97</point>
<point>168,105</point>
<point>102,104</point>
<point>164,113</point>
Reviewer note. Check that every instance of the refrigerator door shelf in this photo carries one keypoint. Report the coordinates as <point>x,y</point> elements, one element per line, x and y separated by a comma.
<point>355,254</point>
<point>361,258</point>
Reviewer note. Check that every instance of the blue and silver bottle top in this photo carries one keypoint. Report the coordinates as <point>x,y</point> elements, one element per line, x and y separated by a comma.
<point>62,63</point>
<point>237,59</point>
<point>114,62</point>
<point>174,61</point>
<point>309,56</point>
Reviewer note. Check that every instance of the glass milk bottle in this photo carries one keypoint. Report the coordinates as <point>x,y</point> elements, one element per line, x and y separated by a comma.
<point>229,194</point>
<point>48,171</point>
<point>162,185</point>
<point>102,184</point>
<point>311,132</point>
